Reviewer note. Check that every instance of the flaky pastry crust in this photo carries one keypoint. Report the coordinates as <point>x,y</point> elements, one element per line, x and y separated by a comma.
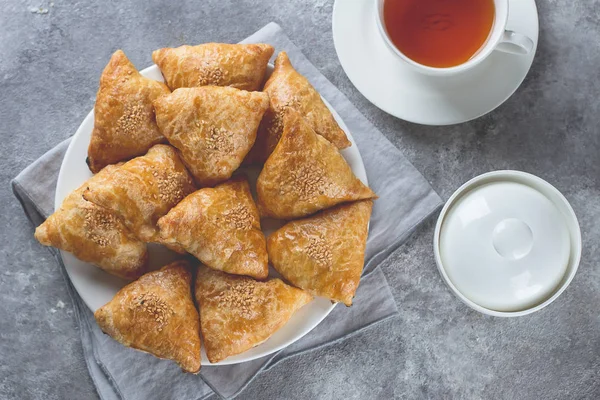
<point>156,314</point>
<point>305,174</point>
<point>142,190</point>
<point>221,227</point>
<point>212,127</point>
<point>94,234</point>
<point>324,254</point>
<point>124,121</point>
<point>288,89</point>
<point>238,313</point>
<point>241,66</point>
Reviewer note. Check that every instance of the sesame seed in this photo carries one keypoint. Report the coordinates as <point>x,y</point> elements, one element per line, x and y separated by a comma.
<point>240,297</point>
<point>220,140</point>
<point>131,119</point>
<point>318,250</point>
<point>307,181</point>
<point>170,187</point>
<point>154,307</point>
<point>210,75</point>
<point>239,217</point>
<point>99,225</point>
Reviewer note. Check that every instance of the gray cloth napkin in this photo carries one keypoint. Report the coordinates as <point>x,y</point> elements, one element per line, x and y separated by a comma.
<point>405,199</point>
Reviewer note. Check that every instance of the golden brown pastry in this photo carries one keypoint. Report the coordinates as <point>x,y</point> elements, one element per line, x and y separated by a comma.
<point>241,66</point>
<point>94,234</point>
<point>142,190</point>
<point>124,122</point>
<point>221,227</point>
<point>212,127</point>
<point>324,254</point>
<point>289,89</point>
<point>238,313</point>
<point>156,314</point>
<point>305,174</point>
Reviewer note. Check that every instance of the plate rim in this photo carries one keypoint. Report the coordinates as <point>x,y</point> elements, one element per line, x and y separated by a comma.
<point>61,193</point>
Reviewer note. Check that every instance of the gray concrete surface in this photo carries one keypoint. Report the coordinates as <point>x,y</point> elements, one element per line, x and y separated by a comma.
<point>437,347</point>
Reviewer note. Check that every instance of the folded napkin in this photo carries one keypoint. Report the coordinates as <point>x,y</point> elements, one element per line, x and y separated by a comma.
<point>405,199</point>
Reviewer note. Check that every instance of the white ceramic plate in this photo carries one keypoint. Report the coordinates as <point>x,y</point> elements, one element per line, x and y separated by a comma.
<point>97,287</point>
<point>394,87</point>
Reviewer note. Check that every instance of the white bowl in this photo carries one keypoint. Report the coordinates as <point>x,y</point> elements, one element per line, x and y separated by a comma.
<point>507,243</point>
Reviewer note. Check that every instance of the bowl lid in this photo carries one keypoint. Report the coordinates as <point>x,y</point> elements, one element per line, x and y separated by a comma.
<point>503,241</point>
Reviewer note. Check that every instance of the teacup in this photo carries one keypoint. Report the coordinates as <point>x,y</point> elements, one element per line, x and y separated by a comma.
<point>499,38</point>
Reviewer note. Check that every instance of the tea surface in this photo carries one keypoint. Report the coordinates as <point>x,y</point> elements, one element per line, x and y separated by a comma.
<point>439,33</point>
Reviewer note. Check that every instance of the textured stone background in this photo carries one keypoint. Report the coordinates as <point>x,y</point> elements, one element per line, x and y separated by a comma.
<point>437,347</point>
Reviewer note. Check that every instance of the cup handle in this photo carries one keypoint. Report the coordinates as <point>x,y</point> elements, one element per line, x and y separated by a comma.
<point>515,43</point>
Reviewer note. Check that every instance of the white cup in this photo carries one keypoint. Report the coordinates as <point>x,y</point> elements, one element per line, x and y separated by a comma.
<point>499,39</point>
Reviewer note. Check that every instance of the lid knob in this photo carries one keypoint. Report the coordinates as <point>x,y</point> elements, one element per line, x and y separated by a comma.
<point>512,239</point>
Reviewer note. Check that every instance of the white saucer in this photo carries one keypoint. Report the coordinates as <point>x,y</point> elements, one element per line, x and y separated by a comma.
<point>394,87</point>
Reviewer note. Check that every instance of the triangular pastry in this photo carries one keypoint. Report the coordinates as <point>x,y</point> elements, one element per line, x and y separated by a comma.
<point>241,66</point>
<point>304,174</point>
<point>324,254</point>
<point>142,190</point>
<point>94,234</point>
<point>221,227</point>
<point>238,313</point>
<point>124,122</point>
<point>288,89</point>
<point>156,314</point>
<point>212,127</point>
